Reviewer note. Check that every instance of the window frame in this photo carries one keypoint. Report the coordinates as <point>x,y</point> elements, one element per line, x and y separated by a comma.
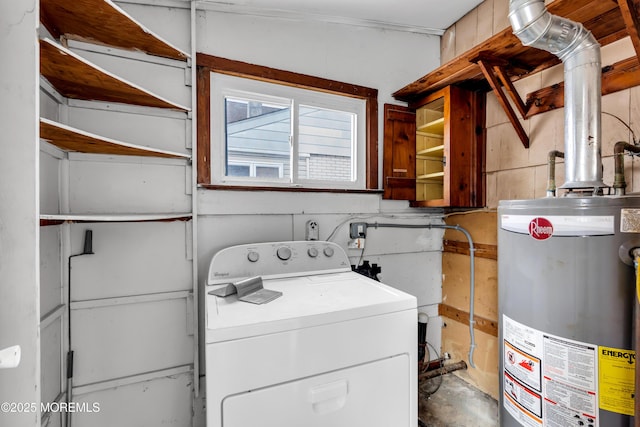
<point>206,64</point>
<point>254,165</point>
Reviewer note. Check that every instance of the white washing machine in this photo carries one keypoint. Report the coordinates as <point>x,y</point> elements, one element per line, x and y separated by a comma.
<point>336,349</point>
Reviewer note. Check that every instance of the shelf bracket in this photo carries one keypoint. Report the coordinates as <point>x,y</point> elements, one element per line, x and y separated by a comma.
<point>493,70</point>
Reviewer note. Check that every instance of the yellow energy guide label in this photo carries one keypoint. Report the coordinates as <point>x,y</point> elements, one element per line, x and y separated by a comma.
<point>616,379</point>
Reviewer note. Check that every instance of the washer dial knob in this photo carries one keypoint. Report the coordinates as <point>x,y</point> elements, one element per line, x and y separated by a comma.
<point>328,251</point>
<point>312,252</point>
<point>253,256</point>
<point>284,253</point>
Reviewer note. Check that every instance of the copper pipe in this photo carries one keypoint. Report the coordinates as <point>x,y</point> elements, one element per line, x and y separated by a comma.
<point>551,180</point>
<point>619,182</point>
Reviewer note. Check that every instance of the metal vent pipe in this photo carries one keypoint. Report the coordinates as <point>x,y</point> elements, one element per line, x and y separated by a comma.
<point>580,52</point>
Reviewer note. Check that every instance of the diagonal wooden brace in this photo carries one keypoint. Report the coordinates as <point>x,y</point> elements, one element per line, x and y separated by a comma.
<point>489,69</point>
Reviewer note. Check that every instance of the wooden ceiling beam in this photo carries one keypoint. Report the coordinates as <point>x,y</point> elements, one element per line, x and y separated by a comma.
<point>602,17</point>
<point>632,22</point>
<point>619,76</point>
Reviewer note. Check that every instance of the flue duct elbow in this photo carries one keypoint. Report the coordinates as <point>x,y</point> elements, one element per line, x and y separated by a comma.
<point>579,51</point>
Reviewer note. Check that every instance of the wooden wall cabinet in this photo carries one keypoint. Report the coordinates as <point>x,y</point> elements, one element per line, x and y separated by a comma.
<point>433,150</point>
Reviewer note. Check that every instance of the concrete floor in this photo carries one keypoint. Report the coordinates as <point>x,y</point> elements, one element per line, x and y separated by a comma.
<point>457,404</point>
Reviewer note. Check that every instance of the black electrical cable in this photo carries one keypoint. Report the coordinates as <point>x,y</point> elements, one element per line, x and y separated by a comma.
<point>633,135</point>
<point>361,257</point>
<point>86,250</point>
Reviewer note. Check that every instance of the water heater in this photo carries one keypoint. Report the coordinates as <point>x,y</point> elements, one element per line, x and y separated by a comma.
<point>566,295</point>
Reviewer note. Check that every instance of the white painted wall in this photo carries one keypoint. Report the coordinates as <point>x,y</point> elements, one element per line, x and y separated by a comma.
<point>381,59</point>
<point>19,260</point>
<point>132,309</point>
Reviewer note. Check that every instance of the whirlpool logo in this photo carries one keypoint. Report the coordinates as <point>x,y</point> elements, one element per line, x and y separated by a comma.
<point>540,228</point>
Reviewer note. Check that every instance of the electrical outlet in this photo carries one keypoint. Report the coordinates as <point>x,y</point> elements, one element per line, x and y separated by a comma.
<point>357,230</point>
<point>312,230</point>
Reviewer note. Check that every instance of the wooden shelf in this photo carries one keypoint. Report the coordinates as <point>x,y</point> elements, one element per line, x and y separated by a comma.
<point>71,139</point>
<point>431,176</point>
<point>56,219</point>
<point>430,135</point>
<point>74,77</point>
<point>102,22</point>
<point>435,127</point>
<point>602,17</point>
<point>436,152</point>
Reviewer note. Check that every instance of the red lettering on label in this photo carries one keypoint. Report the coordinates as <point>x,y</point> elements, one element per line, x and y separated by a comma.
<point>540,228</point>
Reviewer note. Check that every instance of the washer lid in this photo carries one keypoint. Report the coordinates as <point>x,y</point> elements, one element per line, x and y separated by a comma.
<point>306,301</point>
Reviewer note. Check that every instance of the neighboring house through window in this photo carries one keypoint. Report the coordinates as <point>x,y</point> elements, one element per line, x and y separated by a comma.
<point>279,132</point>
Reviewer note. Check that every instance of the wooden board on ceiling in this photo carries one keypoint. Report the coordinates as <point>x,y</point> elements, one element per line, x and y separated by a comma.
<point>102,22</point>
<point>74,77</point>
<point>71,139</point>
<point>601,17</point>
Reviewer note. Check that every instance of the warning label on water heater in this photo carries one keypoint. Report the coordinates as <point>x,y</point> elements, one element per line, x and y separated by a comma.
<point>549,381</point>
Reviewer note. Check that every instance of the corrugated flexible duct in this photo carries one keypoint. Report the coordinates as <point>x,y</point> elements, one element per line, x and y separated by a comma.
<point>580,52</point>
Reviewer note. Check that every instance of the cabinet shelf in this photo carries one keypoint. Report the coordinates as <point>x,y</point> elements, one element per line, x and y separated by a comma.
<point>431,176</point>
<point>431,135</point>
<point>68,138</point>
<point>103,22</point>
<point>75,77</point>
<point>56,219</point>
<point>433,152</point>
<point>433,127</point>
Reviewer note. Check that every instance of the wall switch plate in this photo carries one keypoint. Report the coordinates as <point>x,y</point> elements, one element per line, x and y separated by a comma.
<point>312,230</point>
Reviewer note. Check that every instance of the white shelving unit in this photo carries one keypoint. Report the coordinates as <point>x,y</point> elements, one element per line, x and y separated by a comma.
<point>132,306</point>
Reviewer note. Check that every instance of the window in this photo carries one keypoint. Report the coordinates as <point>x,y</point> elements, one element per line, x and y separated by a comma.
<point>285,131</point>
<point>316,136</point>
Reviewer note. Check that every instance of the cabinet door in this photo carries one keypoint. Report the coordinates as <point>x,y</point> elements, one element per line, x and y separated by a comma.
<point>399,165</point>
<point>464,148</point>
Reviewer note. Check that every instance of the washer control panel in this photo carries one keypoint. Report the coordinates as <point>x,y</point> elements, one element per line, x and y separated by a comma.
<point>280,259</point>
